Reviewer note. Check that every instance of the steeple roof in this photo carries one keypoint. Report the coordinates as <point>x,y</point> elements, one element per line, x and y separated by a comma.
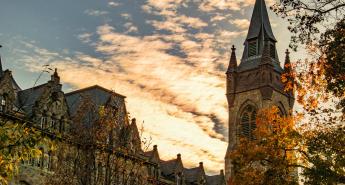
<point>260,21</point>
<point>260,44</point>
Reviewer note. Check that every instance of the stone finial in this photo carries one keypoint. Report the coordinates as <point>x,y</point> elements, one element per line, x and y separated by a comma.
<point>134,121</point>
<point>155,147</point>
<point>55,77</point>
<point>233,61</point>
<point>201,164</point>
<point>178,156</point>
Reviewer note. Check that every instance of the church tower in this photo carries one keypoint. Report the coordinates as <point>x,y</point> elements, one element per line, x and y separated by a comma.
<point>256,82</point>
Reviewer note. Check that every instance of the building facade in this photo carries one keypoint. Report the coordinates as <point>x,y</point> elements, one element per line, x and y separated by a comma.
<point>256,82</point>
<point>71,120</point>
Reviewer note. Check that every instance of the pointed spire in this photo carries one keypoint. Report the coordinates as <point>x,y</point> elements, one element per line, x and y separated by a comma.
<point>233,61</point>
<point>259,33</point>
<point>260,21</point>
<point>287,66</point>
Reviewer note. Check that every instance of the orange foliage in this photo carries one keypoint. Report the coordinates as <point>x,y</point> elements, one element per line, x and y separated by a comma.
<point>270,157</point>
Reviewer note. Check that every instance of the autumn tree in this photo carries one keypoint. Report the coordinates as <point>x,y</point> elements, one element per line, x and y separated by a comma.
<point>269,157</point>
<point>19,142</point>
<point>100,150</point>
<point>319,27</point>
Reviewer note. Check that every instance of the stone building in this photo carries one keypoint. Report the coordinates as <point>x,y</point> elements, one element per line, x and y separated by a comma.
<point>256,82</point>
<point>57,114</point>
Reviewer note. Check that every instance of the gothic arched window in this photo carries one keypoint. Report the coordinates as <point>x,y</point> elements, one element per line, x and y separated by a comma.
<point>248,118</point>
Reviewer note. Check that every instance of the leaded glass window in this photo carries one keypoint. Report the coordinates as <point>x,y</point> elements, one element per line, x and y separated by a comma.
<point>248,122</point>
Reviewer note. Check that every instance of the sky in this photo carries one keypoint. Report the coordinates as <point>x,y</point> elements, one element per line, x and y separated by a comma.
<point>168,57</point>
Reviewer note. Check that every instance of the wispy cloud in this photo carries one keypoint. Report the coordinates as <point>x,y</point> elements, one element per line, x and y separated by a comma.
<point>169,61</point>
<point>242,24</point>
<point>95,12</point>
<point>113,4</point>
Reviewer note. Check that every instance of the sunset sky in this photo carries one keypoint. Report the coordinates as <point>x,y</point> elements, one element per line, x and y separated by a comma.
<point>168,57</point>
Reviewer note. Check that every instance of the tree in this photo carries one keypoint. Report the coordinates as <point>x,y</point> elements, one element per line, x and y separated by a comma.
<point>100,150</point>
<point>319,25</point>
<point>18,142</point>
<point>270,157</point>
<point>326,156</point>
<point>279,148</point>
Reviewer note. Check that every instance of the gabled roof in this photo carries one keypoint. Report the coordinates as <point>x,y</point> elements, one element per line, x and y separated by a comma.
<point>99,95</point>
<point>260,21</point>
<point>194,174</point>
<point>153,155</point>
<point>168,167</point>
<point>216,179</point>
<point>28,97</point>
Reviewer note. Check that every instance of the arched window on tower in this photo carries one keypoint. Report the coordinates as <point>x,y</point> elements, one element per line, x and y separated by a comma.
<point>248,122</point>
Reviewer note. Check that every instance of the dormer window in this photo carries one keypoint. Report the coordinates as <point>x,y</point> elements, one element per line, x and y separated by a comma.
<point>252,48</point>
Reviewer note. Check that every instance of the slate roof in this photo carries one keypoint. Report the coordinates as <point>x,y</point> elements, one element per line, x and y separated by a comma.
<point>28,97</point>
<point>259,28</point>
<point>168,167</point>
<point>215,179</point>
<point>254,63</point>
<point>260,20</point>
<point>192,174</point>
<point>99,96</point>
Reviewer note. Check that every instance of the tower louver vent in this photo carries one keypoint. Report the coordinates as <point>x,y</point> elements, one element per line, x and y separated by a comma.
<point>252,48</point>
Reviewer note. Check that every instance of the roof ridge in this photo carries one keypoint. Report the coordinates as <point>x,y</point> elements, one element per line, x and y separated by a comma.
<point>94,86</point>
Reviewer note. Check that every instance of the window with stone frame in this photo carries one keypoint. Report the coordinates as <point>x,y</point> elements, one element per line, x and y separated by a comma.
<point>3,102</point>
<point>50,161</point>
<point>43,122</point>
<point>179,179</point>
<point>40,161</point>
<point>248,122</point>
